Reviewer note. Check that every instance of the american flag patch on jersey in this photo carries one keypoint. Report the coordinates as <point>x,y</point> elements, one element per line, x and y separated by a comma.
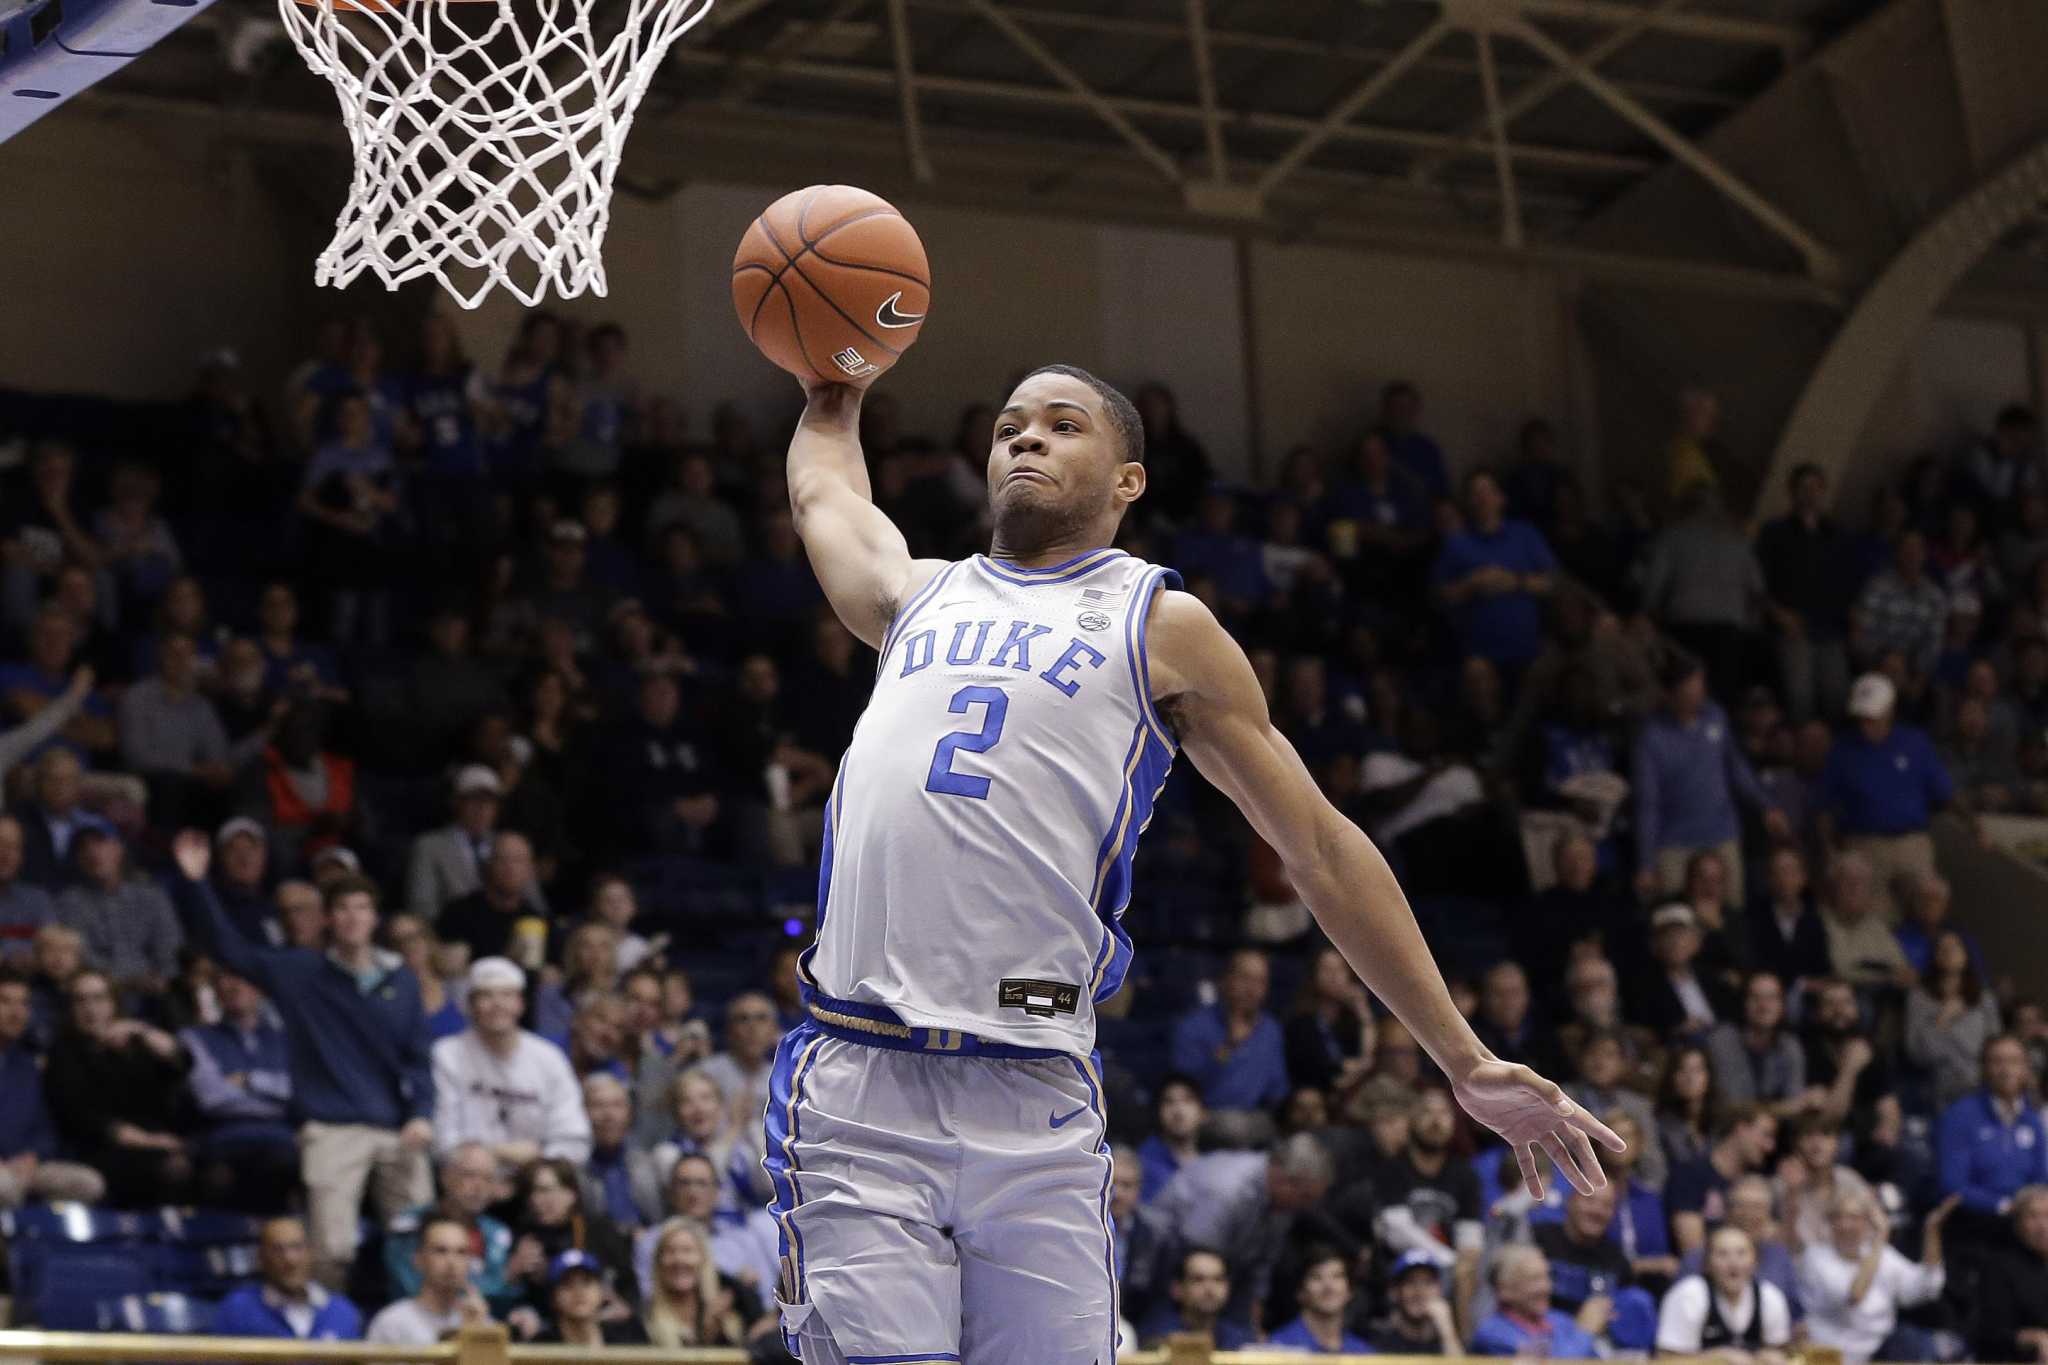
<point>1102,597</point>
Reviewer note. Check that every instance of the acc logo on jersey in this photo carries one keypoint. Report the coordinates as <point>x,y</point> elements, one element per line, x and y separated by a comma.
<point>1092,620</point>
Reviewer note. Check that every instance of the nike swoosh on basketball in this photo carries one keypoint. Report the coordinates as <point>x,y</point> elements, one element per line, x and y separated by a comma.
<point>888,315</point>
<point>1062,1120</point>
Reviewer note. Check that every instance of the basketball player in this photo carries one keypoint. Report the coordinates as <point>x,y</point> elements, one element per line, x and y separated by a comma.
<point>935,1127</point>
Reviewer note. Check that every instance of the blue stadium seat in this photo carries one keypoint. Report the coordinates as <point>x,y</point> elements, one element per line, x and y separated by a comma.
<point>157,1314</point>
<point>208,1271</point>
<point>210,1227</point>
<point>85,1224</point>
<point>68,1283</point>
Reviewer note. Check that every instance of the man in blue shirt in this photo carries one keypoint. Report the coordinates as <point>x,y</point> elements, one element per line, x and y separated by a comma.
<point>241,1082</point>
<point>1991,1144</point>
<point>1880,789</point>
<point>1199,1290</point>
<point>1688,774</point>
<point>285,1302</point>
<point>1234,1049</point>
<point>1179,1114</point>
<point>1414,451</point>
<point>1493,576</point>
<point>1323,1294</point>
<point>1523,1323</point>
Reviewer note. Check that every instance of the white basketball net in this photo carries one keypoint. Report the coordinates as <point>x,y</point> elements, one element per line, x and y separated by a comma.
<point>486,141</point>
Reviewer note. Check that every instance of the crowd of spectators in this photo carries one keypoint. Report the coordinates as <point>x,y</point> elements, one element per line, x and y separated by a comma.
<point>413,781</point>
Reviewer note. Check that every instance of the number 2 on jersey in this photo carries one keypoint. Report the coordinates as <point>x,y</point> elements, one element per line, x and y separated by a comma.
<point>943,779</point>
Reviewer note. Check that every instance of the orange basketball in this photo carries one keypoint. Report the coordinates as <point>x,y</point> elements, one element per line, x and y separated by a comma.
<point>832,284</point>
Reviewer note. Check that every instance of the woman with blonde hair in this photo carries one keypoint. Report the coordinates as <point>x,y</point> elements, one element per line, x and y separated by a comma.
<point>589,964</point>
<point>688,1305</point>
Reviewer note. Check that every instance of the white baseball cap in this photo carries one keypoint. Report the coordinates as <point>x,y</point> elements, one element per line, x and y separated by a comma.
<point>1872,697</point>
<point>496,974</point>
<point>476,780</point>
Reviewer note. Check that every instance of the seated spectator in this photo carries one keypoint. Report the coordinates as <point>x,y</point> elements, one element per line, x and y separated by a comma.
<point>1678,998</point>
<point>302,790</point>
<point>596,1035</point>
<point>1523,1323</point>
<point>2012,1304</point>
<point>1786,936</point>
<point>503,917</point>
<point>1200,1291</point>
<point>45,678</point>
<point>20,742</point>
<point>1429,1195</point>
<point>1927,906</point>
<point>688,1305</point>
<point>1329,1034</point>
<point>1727,1311</point>
<point>116,1089</point>
<point>447,864</point>
<point>661,770</point>
<point>56,955</point>
<point>366,1108</point>
<point>498,1085</point>
<point>1641,1229</point>
<point>284,1302</point>
<point>468,1176</point>
<point>745,1245</point>
<point>1697,1193</point>
<point>706,1126</point>
<point>23,908</point>
<point>447,686</point>
<point>172,738</point>
<point>1882,784</point>
<point>241,850</point>
<point>589,966</point>
<point>1760,1061</point>
<point>129,929</point>
<point>1418,1320</point>
<point>52,818</point>
<point>28,1141</point>
<point>1143,1237</point>
<point>1591,1277</point>
<point>618,1180</point>
<point>553,1215</point>
<point>242,1088</point>
<point>1811,1175</point>
<point>1324,1293</point>
<point>1688,775</point>
<point>1594,991</point>
<point>1602,1068</point>
<point>446,1301</point>
<point>1854,1284</point>
<point>416,946</point>
<point>1984,763</point>
<point>1234,1050</point>
<point>1861,947</point>
<point>1949,1019</point>
<point>743,1066</point>
<point>1249,1201</point>
<point>1492,576</point>
<point>1505,1025</point>
<point>1178,1115</point>
<point>1901,610</point>
<point>1992,1143</point>
<point>1749,1204</point>
<point>576,1297</point>
<point>1686,1105</point>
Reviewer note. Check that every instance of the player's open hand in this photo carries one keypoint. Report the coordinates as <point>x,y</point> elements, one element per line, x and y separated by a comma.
<point>1530,1112</point>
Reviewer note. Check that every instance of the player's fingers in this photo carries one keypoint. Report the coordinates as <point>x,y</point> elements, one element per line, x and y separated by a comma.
<point>1550,1092</point>
<point>1581,1148</point>
<point>1582,1120</point>
<point>1566,1167</point>
<point>1526,1154</point>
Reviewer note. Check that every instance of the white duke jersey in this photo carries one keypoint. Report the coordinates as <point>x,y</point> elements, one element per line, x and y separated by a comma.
<point>978,842</point>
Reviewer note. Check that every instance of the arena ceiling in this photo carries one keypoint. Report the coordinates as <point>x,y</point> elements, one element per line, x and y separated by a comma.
<point>1490,127</point>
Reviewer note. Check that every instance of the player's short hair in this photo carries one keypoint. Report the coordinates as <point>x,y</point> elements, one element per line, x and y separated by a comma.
<point>1122,413</point>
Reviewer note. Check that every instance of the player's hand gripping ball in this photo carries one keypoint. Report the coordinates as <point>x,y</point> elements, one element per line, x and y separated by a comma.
<point>832,284</point>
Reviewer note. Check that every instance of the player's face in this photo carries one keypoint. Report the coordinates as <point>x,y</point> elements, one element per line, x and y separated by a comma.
<point>1056,463</point>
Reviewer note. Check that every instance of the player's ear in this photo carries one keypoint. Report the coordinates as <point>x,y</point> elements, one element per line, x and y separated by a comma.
<point>1130,481</point>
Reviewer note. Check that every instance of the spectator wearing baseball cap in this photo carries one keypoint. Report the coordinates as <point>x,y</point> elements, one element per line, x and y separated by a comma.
<point>1418,1319</point>
<point>565,592</point>
<point>1676,998</point>
<point>447,864</point>
<point>241,861</point>
<point>576,1298</point>
<point>501,1086</point>
<point>1882,784</point>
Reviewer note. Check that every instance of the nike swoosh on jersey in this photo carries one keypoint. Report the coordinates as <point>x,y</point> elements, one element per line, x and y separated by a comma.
<point>889,316</point>
<point>1062,1120</point>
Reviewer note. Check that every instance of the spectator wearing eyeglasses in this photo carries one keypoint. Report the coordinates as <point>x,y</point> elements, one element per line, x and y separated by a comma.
<point>741,1068</point>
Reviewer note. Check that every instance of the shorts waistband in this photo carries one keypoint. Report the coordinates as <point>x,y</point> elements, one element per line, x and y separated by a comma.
<point>877,1026</point>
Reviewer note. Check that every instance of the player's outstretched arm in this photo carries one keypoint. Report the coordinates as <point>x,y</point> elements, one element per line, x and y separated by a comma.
<point>1210,697</point>
<point>860,557</point>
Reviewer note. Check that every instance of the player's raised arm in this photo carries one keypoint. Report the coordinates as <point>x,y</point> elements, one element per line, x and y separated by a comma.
<point>858,554</point>
<point>1210,697</point>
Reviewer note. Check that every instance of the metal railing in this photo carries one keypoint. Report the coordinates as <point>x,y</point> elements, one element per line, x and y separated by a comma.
<point>489,1345</point>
